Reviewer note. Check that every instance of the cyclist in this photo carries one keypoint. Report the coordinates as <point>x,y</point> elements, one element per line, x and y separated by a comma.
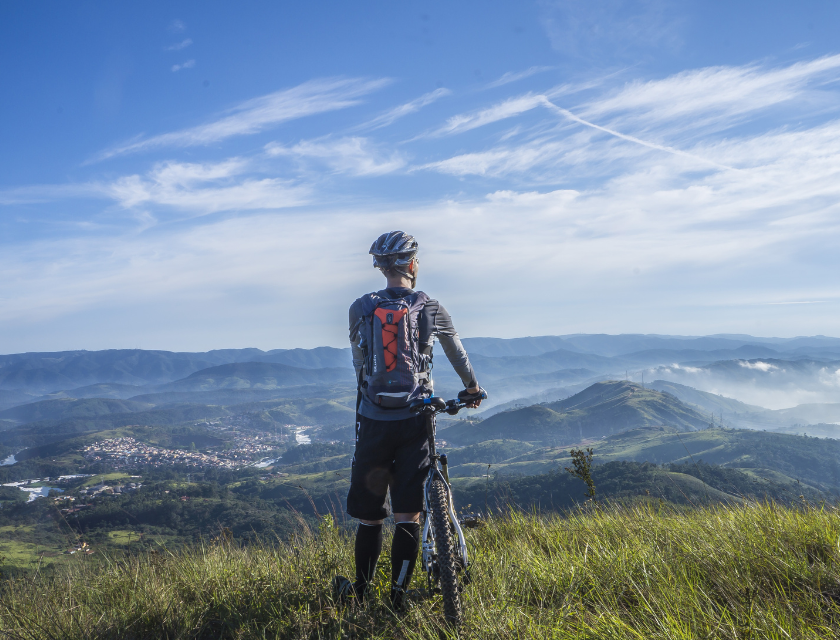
<point>392,448</point>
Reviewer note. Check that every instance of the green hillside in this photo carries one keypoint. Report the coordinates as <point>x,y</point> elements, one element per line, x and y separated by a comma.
<point>718,573</point>
<point>64,408</point>
<point>819,430</point>
<point>100,390</point>
<point>13,398</point>
<point>337,391</point>
<point>740,414</point>
<point>48,372</point>
<point>710,402</point>
<point>256,375</point>
<point>786,457</point>
<point>68,370</point>
<point>303,410</point>
<point>629,482</point>
<point>602,409</point>
<point>33,434</point>
<point>72,418</point>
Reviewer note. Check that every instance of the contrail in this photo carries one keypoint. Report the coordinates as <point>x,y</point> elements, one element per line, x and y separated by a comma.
<point>651,145</point>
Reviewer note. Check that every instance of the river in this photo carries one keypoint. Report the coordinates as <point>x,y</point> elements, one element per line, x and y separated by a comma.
<point>34,492</point>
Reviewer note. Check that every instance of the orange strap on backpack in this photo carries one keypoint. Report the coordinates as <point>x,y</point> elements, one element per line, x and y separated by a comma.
<point>390,320</point>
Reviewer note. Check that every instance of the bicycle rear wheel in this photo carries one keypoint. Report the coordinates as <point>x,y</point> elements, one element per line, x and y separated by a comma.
<point>445,547</point>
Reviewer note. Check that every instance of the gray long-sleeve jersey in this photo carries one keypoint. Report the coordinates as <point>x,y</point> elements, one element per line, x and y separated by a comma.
<point>434,322</point>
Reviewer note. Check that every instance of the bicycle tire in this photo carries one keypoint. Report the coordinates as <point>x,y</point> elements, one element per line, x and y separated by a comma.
<point>445,547</point>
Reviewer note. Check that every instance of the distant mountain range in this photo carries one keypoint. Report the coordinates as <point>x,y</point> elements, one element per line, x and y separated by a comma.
<point>255,375</point>
<point>50,372</point>
<point>763,372</point>
<point>66,408</point>
<point>624,344</point>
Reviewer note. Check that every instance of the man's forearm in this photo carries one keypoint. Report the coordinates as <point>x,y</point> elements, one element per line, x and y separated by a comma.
<point>358,357</point>
<point>457,356</point>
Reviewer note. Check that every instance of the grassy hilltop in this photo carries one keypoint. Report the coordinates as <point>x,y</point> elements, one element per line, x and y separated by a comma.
<point>757,571</point>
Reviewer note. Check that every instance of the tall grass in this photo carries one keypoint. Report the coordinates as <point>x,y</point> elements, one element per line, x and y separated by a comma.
<point>720,572</point>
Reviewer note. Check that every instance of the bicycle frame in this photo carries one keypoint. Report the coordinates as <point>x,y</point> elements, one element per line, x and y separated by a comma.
<point>429,553</point>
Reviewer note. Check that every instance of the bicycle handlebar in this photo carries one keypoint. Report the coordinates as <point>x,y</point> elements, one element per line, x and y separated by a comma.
<point>435,405</point>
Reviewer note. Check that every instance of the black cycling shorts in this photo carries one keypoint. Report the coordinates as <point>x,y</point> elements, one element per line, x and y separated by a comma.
<point>390,454</point>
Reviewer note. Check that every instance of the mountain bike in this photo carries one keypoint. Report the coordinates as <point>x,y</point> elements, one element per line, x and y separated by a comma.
<point>444,554</point>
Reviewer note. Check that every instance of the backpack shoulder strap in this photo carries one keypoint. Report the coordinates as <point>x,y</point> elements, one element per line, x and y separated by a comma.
<point>369,302</point>
<point>416,301</point>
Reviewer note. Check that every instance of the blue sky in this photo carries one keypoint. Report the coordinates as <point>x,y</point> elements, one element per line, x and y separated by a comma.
<point>198,175</point>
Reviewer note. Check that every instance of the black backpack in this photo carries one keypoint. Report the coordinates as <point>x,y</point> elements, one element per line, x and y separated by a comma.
<point>394,369</point>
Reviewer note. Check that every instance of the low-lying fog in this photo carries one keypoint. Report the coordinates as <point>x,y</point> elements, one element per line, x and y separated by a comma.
<point>772,384</point>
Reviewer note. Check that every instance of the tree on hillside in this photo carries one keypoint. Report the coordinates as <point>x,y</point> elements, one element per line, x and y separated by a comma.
<point>582,468</point>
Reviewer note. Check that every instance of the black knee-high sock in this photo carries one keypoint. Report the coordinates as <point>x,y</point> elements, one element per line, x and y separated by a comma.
<point>404,554</point>
<point>368,548</point>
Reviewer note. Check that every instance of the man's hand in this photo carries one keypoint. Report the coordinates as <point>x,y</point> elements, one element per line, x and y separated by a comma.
<point>474,390</point>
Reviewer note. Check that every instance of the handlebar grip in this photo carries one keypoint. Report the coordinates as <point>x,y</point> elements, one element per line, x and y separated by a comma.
<point>465,397</point>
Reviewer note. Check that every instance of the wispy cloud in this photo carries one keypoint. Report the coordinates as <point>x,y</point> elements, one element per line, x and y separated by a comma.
<point>623,136</point>
<point>204,188</point>
<point>189,64</point>
<point>507,109</point>
<point>351,155</point>
<point>500,161</point>
<point>193,188</point>
<point>514,76</point>
<point>176,26</point>
<point>713,94</point>
<point>391,116</point>
<point>178,46</point>
<point>689,107</point>
<point>257,114</point>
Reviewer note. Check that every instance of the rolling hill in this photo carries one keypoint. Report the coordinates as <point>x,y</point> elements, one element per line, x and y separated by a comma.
<point>99,390</point>
<point>742,415</point>
<point>51,372</point>
<point>770,455</point>
<point>711,402</point>
<point>255,375</point>
<point>13,398</point>
<point>48,372</point>
<point>628,481</point>
<point>66,408</point>
<point>602,409</point>
<point>531,346</point>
